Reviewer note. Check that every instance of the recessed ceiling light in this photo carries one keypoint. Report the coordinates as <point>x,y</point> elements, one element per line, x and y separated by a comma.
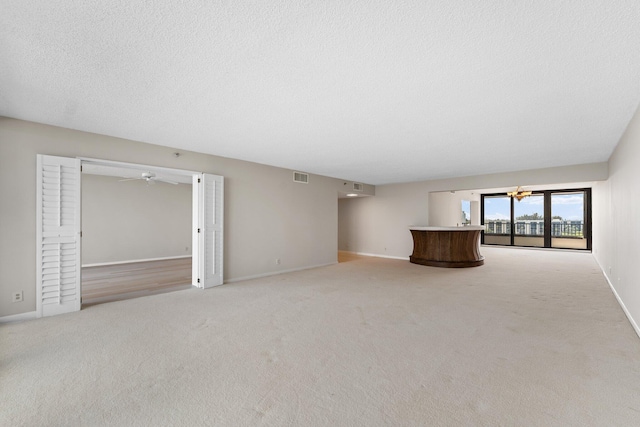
<point>352,195</point>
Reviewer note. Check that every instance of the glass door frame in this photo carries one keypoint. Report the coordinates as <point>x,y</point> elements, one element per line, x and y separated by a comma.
<point>547,216</point>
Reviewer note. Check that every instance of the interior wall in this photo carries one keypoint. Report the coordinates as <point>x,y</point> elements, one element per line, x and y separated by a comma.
<point>131,220</point>
<point>383,221</point>
<point>475,212</point>
<point>445,207</point>
<point>267,215</point>
<point>616,227</point>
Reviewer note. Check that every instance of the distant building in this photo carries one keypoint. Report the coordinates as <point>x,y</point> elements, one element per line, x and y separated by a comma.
<point>526,227</point>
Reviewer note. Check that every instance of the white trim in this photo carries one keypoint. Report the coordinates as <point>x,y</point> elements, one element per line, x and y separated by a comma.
<point>634,324</point>
<point>100,264</point>
<point>196,183</point>
<point>275,273</point>
<point>30,315</point>
<point>101,162</point>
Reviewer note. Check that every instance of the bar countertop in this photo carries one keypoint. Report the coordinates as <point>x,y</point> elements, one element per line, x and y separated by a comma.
<point>436,228</point>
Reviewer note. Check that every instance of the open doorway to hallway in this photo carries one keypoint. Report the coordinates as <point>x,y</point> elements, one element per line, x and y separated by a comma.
<point>350,199</point>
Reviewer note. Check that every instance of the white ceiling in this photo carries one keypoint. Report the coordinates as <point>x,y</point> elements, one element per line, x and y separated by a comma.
<point>366,90</point>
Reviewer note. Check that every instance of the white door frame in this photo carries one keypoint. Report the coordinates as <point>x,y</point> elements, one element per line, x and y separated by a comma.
<point>200,202</point>
<point>88,161</point>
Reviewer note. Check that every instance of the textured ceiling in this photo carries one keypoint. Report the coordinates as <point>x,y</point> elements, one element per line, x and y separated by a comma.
<point>366,90</point>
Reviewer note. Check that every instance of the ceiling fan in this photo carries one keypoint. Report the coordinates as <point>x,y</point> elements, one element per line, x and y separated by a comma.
<point>151,178</point>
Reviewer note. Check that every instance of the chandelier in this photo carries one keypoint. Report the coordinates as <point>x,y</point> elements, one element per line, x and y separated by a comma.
<point>519,193</point>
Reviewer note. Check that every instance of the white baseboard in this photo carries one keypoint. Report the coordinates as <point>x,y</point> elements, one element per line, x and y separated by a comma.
<point>275,273</point>
<point>100,264</point>
<point>18,317</point>
<point>634,324</point>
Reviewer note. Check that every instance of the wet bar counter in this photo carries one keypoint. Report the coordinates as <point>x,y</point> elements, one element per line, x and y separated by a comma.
<point>452,247</point>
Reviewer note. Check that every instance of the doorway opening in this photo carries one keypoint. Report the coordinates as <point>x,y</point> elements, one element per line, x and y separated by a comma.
<point>136,234</point>
<point>59,232</point>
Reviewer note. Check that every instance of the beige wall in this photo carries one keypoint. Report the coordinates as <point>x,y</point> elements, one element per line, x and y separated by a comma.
<point>616,236</point>
<point>379,225</point>
<point>445,208</point>
<point>267,215</point>
<point>124,221</point>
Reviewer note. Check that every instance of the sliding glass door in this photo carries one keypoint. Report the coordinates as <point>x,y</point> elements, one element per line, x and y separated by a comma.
<point>545,219</point>
<point>529,221</point>
<point>568,221</point>
<point>497,219</point>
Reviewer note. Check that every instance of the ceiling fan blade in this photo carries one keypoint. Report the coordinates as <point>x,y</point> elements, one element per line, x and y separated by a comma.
<point>128,179</point>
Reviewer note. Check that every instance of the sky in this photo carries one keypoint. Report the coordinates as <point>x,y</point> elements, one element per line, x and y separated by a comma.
<point>466,208</point>
<point>568,206</point>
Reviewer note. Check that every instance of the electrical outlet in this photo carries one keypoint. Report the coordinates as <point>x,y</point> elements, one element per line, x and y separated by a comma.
<point>278,261</point>
<point>17,296</point>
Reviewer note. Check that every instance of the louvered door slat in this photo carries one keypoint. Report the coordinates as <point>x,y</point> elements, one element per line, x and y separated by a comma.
<point>58,206</point>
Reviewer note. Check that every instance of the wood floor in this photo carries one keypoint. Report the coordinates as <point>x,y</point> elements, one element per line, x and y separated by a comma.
<point>124,281</point>
<point>344,256</point>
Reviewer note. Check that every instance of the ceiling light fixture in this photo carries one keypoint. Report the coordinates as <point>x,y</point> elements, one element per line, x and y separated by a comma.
<point>519,193</point>
<point>352,195</point>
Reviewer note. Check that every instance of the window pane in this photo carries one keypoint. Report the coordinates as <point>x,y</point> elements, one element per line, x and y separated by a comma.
<point>567,223</point>
<point>466,212</point>
<point>497,220</point>
<point>529,221</point>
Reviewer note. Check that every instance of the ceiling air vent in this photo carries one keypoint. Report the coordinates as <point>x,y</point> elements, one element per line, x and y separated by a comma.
<point>357,186</point>
<point>301,177</point>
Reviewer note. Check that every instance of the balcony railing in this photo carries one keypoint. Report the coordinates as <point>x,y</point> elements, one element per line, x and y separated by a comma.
<point>559,228</point>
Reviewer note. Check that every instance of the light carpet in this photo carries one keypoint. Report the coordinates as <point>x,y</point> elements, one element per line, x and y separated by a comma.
<point>531,338</point>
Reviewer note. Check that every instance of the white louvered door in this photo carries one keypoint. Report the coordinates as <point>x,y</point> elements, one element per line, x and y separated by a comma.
<point>210,210</point>
<point>58,236</point>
